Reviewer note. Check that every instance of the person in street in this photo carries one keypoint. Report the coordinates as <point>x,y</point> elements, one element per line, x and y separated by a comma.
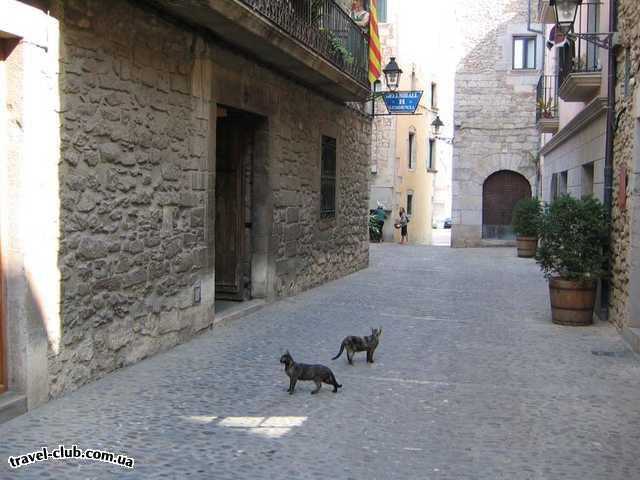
<point>380,216</point>
<point>403,221</point>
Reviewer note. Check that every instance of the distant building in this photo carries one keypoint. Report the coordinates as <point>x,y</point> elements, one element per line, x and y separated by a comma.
<point>496,141</point>
<point>405,151</point>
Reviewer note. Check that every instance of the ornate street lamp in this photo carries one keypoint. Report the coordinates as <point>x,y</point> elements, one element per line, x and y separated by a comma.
<point>566,12</point>
<point>392,74</point>
<point>436,125</point>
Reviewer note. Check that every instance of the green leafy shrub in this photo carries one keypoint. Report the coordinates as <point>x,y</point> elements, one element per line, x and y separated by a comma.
<point>574,238</point>
<point>527,215</point>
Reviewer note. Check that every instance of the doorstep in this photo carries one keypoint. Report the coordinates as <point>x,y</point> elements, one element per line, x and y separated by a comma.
<point>12,405</point>
<point>230,311</point>
<point>498,243</point>
<point>632,337</point>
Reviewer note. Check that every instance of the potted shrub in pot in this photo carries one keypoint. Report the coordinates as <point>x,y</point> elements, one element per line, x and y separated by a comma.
<point>572,255</point>
<point>527,215</point>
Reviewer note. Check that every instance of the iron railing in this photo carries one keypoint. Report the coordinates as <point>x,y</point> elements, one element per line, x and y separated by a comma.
<point>323,26</point>
<point>580,55</point>
<point>547,97</point>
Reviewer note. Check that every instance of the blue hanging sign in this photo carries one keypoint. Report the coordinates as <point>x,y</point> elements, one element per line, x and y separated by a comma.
<point>402,102</point>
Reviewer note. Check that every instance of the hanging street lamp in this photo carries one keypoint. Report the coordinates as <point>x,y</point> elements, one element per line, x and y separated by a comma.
<point>436,125</point>
<point>566,12</point>
<point>392,73</point>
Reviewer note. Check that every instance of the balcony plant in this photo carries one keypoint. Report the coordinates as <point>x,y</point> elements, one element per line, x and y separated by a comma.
<point>547,108</point>
<point>527,215</point>
<point>573,255</point>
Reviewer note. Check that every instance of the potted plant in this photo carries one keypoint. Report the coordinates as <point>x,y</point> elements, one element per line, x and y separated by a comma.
<point>546,107</point>
<point>527,215</point>
<point>572,255</point>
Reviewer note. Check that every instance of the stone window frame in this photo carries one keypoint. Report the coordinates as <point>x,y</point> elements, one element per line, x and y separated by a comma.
<point>528,38</point>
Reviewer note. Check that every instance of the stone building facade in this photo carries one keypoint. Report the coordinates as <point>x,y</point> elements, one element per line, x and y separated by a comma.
<point>495,139</point>
<point>624,310</point>
<point>127,121</point>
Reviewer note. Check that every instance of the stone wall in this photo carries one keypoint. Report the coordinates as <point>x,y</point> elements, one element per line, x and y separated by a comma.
<point>138,115</point>
<point>383,148</point>
<point>494,111</point>
<point>625,293</point>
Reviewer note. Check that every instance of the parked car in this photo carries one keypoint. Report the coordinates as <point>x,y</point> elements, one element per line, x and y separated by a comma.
<point>448,223</point>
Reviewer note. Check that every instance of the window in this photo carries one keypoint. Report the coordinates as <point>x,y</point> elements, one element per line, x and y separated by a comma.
<point>412,150</point>
<point>524,53</point>
<point>587,179</point>
<point>382,11</point>
<point>554,186</point>
<point>409,203</point>
<point>328,178</point>
<point>431,161</point>
<point>434,96</point>
<point>563,184</point>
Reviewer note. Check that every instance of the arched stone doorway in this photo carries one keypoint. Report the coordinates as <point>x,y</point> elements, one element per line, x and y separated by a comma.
<point>500,193</point>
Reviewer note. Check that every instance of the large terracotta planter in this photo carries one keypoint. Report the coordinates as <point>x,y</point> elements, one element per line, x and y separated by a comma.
<point>527,246</point>
<point>572,302</point>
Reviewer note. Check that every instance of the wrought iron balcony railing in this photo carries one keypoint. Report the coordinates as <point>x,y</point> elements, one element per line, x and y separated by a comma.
<point>547,98</point>
<point>579,55</point>
<point>323,26</point>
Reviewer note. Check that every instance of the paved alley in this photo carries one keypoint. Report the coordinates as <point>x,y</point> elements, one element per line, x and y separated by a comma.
<point>471,381</point>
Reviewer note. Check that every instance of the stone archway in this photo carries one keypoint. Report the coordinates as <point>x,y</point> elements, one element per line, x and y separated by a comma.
<point>500,193</point>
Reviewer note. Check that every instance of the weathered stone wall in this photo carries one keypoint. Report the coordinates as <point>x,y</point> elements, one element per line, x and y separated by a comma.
<point>625,294</point>
<point>494,112</point>
<point>383,148</point>
<point>138,115</point>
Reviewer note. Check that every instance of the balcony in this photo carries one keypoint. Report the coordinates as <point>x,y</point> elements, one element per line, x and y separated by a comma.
<point>316,43</point>
<point>580,72</point>
<point>546,13</point>
<point>547,118</point>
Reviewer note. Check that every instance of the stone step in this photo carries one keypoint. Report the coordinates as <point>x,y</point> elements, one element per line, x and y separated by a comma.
<point>12,405</point>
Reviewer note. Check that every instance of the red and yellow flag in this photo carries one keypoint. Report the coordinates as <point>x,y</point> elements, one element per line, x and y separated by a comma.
<point>375,58</point>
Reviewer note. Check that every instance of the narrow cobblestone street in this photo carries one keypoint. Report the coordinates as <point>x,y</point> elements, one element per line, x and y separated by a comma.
<point>472,381</point>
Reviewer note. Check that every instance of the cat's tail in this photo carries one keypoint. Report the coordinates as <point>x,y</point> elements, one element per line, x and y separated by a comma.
<point>340,352</point>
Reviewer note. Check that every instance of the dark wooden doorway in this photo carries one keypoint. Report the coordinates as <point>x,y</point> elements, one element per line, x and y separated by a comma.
<point>500,193</point>
<point>234,157</point>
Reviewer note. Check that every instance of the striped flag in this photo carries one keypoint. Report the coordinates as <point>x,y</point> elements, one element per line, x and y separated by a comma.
<point>375,58</point>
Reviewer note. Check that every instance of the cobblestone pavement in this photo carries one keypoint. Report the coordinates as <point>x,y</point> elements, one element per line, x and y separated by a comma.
<point>472,381</point>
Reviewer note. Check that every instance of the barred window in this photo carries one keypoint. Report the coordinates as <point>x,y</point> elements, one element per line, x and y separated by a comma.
<point>328,178</point>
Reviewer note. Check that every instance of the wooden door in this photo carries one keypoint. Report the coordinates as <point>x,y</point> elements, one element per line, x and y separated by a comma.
<point>230,222</point>
<point>501,192</point>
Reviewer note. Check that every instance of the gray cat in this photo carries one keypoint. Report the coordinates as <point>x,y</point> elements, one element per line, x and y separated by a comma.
<point>360,344</point>
<point>300,371</point>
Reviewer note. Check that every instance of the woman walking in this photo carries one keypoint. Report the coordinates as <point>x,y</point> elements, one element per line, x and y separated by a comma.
<point>403,222</point>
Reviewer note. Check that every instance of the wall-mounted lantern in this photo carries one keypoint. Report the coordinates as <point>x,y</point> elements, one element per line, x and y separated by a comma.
<point>566,12</point>
<point>392,73</point>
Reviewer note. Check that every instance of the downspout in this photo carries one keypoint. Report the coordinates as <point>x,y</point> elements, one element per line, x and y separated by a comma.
<point>609,153</point>
<point>544,59</point>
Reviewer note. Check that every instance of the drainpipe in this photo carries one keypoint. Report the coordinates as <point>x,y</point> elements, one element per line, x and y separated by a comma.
<point>609,157</point>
